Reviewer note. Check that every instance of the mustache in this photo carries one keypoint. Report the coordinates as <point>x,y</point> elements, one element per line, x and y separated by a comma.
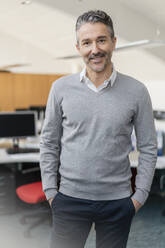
<point>97,55</point>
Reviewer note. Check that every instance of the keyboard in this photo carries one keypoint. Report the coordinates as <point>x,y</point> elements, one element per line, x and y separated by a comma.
<point>20,150</point>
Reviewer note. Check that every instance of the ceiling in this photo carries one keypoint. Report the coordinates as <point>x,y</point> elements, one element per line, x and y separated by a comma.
<point>39,32</point>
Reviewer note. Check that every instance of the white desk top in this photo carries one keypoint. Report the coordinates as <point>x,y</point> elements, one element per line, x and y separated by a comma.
<point>6,158</point>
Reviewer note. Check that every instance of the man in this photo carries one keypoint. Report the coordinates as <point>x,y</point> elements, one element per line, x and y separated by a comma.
<point>86,137</point>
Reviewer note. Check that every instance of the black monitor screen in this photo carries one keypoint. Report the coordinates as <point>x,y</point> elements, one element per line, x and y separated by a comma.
<point>17,124</point>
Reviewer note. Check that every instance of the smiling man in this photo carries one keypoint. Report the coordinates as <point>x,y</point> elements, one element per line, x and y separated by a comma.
<point>86,138</point>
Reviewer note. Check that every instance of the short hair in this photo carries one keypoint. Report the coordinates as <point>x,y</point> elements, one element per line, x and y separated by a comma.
<point>94,16</point>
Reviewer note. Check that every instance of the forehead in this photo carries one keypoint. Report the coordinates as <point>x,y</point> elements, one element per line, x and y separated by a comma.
<point>92,31</point>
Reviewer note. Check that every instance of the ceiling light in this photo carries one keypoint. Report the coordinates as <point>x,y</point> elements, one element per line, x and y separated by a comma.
<point>26,2</point>
<point>141,43</point>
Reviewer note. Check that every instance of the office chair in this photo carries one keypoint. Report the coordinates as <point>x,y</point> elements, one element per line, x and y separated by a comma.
<point>33,194</point>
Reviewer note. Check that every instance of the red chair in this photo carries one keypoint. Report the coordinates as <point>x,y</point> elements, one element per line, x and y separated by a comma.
<point>33,194</point>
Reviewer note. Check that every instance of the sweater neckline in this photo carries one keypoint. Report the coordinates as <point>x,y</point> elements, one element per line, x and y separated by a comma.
<point>104,90</point>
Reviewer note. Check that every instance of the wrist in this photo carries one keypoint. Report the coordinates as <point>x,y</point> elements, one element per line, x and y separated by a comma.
<point>50,200</point>
<point>137,204</point>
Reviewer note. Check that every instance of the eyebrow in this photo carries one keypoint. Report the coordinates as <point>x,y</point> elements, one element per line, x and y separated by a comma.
<point>85,40</point>
<point>102,37</point>
<point>99,37</point>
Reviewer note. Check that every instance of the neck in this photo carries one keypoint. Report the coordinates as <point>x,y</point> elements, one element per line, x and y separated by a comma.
<point>97,78</point>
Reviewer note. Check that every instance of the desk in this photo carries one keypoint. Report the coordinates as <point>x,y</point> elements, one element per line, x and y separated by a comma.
<point>6,158</point>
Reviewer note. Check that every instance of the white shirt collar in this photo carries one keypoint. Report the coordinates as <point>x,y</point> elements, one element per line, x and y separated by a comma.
<point>111,79</point>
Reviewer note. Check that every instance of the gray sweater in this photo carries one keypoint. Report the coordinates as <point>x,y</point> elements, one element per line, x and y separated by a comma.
<point>86,136</point>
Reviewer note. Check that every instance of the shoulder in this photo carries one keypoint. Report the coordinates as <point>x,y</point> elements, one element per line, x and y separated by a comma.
<point>131,84</point>
<point>65,82</point>
<point>64,86</point>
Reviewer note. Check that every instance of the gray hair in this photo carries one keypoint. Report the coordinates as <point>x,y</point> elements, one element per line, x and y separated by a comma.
<point>94,16</point>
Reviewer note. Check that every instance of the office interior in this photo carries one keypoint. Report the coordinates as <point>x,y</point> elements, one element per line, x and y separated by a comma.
<point>37,47</point>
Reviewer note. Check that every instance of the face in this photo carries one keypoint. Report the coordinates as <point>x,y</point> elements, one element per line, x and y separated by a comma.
<point>96,46</point>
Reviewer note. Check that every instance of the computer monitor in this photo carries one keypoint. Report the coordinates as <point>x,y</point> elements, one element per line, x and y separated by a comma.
<point>18,125</point>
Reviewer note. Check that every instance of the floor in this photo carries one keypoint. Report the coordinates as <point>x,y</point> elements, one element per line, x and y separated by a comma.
<point>148,229</point>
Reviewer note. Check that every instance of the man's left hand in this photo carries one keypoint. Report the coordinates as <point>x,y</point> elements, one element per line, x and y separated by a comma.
<point>136,204</point>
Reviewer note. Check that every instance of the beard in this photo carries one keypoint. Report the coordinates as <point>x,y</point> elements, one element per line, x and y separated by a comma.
<point>98,66</point>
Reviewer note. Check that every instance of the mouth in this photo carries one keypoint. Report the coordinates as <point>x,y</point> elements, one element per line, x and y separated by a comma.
<point>97,58</point>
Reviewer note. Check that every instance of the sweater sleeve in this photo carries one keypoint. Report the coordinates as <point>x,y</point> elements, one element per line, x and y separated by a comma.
<point>50,145</point>
<point>147,147</point>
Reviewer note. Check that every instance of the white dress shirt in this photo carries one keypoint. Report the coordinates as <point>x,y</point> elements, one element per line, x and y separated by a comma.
<point>85,79</point>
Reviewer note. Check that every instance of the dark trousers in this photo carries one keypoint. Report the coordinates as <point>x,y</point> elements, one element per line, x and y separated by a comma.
<point>73,218</point>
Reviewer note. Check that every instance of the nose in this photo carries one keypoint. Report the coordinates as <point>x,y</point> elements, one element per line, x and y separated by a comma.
<point>95,48</point>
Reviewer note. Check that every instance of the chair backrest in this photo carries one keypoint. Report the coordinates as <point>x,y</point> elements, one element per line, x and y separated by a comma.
<point>31,193</point>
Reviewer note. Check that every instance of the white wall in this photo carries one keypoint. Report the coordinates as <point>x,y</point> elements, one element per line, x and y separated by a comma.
<point>157,93</point>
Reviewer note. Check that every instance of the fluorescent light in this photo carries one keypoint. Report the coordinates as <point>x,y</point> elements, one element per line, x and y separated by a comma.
<point>141,43</point>
<point>26,2</point>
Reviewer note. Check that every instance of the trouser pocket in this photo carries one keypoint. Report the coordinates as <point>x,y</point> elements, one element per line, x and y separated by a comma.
<point>132,206</point>
<point>54,200</point>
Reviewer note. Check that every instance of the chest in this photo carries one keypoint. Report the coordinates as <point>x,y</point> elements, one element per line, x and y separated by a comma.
<point>106,111</point>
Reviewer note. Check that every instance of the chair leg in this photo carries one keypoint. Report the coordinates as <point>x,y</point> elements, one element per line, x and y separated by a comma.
<point>27,233</point>
<point>42,216</point>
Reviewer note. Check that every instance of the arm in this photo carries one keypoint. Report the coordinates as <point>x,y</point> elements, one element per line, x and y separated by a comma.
<point>50,145</point>
<point>147,147</point>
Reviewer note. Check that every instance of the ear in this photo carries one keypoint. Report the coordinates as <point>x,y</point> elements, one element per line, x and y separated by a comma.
<point>77,46</point>
<point>114,43</point>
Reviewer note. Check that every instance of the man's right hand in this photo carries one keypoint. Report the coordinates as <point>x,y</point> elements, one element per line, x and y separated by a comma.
<point>50,201</point>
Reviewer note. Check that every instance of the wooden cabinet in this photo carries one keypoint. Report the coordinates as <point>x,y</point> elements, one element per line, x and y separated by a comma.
<point>22,90</point>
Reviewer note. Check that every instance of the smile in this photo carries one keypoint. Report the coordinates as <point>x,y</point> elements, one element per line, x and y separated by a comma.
<point>97,59</point>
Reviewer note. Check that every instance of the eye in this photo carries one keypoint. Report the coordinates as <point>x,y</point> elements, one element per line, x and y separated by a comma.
<point>101,41</point>
<point>86,43</point>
